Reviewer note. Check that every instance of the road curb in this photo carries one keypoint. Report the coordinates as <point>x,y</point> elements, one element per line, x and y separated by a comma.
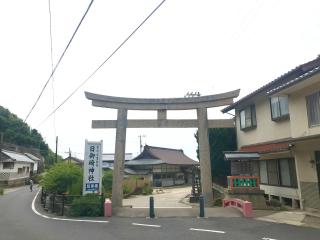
<point>33,207</point>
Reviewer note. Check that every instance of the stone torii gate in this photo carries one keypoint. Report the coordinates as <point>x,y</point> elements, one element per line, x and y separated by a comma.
<point>161,105</point>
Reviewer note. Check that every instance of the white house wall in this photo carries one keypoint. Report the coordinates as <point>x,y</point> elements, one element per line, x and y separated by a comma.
<point>266,130</point>
<point>11,177</point>
<point>298,112</point>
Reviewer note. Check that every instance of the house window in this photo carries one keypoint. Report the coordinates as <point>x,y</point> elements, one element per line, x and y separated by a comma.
<point>279,108</point>
<point>273,172</point>
<point>248,118</point>
<point>278,172</point>
<point>263,172</point>
<point>8,165</point>
<point>287,172</point>
<point>313,109</point>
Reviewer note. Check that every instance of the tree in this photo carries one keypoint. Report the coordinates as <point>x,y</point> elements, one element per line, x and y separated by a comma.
<point>220,140</point>
<point>63,177</point>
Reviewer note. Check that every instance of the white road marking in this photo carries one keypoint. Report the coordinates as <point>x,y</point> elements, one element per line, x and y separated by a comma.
<point>265,238</point>
<point>146,225</point>
<point>60,219</point>
<point>163,207</point>
<point>206,230</point>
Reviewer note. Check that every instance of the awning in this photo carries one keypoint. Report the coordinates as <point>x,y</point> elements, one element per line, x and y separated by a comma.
<point>267,147</point>
<point>229,156</point>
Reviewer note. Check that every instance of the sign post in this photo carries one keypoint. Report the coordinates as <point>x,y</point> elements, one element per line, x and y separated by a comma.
<point>92,168</point>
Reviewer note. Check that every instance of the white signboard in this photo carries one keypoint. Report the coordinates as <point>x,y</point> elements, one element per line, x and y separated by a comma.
<point>92,167</point>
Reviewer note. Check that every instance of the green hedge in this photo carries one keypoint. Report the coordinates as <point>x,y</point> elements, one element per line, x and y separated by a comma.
<point>63,178</point>
<point>89,205</point>
<point>1,191</point>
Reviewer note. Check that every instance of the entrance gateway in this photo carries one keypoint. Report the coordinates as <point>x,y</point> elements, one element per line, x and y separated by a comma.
<point>162,105</point>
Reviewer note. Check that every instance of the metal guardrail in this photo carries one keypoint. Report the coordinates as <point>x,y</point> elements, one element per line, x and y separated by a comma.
<point>57,203</point>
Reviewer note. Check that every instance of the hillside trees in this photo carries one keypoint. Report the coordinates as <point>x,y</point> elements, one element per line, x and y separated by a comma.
<point>17,132</point>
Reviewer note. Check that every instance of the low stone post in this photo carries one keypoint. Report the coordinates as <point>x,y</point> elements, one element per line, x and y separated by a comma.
<point>151,208</point>
<point>201,205</point>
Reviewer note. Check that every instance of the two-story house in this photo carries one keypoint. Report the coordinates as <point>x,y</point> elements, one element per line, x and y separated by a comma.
<point>281,123</point>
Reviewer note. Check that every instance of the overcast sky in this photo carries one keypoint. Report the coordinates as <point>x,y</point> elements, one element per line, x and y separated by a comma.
<point>187,45</point>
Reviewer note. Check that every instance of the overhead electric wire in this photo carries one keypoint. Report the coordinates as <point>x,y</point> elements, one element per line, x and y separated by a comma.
<point>62,55</point>
<point>52,81</point>
<point>107,59</point>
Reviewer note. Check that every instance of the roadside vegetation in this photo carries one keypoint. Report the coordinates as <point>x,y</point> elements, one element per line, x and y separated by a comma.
<point>66,179</point>
<point>1,191</point>
<point>90,205</point>
<point>63,178</point>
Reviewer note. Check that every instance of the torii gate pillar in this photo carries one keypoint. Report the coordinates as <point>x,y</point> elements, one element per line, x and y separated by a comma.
<point>120,149</point>
<point>204,154</point>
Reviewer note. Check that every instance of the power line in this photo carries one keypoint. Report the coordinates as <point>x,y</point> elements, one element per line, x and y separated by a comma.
<point>107,59</point>
<point>62,55</point>
<point>52,82</point>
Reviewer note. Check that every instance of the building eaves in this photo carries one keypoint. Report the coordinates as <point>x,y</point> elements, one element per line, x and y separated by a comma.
<point>141,162</point>
<point>295,81</point>
<point>298,73</point>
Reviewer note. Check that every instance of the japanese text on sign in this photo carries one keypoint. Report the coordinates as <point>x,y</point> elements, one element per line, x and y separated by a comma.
<point>92,167</point>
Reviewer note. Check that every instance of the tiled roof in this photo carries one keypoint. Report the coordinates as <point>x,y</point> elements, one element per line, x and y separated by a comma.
<point>19,157</point>
<point>295,80</point>
<point>167,155</point>
<point>295,75</point>
<point>34,158</point>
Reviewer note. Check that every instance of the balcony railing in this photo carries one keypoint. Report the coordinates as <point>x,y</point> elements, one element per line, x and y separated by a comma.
<point>236,182</point>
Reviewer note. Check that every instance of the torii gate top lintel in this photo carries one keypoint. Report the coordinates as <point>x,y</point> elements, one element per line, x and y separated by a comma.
<point>208,101</point>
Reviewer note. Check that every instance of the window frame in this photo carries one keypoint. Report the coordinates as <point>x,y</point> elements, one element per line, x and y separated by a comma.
<point>11,165</point>
<point>308,105</point>
<point>281,116</point>
<point>253,117</point>
<point>292,173</point>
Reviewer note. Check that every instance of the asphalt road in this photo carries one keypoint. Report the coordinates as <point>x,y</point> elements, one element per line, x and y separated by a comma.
<point>18,221</point>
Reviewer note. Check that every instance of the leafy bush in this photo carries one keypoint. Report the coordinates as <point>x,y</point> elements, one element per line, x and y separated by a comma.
<point>89,205</point>
<point>127,190</point>
<point>147,190</point>
<point>1,191</point>
<point>37,178</point>
<point>62,178</point>
<point>107,185</point>
<point>107,182</point>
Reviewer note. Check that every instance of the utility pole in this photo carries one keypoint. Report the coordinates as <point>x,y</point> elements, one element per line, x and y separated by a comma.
<point>69,155</point>
<point>141,146</point>
<point>56,149</point>
<point>1,142</point>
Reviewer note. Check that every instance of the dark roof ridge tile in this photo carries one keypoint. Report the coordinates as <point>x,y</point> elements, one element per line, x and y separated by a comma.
<point>305,67</point>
